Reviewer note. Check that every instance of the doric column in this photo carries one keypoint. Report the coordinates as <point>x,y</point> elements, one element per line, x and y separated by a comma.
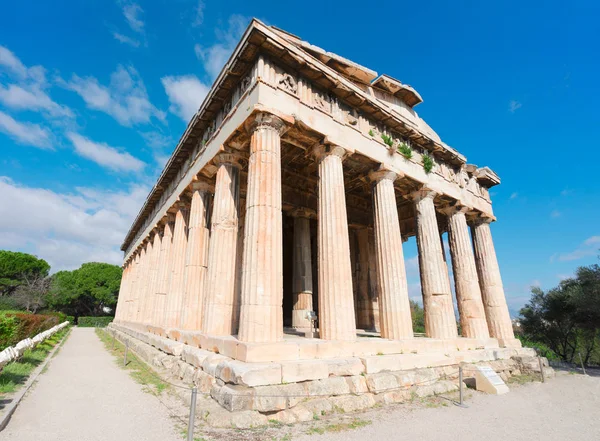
<point>135,282</point>
<point>394,306</point>
<point>146,270</point>
<point>220,279</point>
<point>302,274</point>
<point>196,257</point>
<point>466,283</point>
<point>373,284</point>
<point>164,270</point>
<point>362,292</point>
<point>492,291</point>
<point>336,299</point>
<point>122,293</point>
<point>153,277</point>
<point>435,284</point>
<point>261,312</point>
<point>176,287</point>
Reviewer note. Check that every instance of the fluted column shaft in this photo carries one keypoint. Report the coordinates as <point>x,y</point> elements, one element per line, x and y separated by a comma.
<point>468,294</point>
<point>152,277</point>
<point>164,271</point>
<point>490,281</point>
<point>261,312</point>
<point>302,272</point>
<point>122,293</point>
<point>222,250</point>
<point>144,294</point>
<point>336,299</point>
<point>435,284</point>
<point>196,257</point>
<point>176,287</point>
<point>133,289</point>
<point>362,293</point>
<point>394,306</point>
<point>373,284</point>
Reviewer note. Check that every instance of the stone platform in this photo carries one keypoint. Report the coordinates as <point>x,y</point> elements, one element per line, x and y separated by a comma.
<point>284,380</point>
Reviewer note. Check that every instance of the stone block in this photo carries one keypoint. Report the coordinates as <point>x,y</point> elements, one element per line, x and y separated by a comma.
<point>381,382</point>
<point>399,362</point>
<point>229,347</point>
<point>345,366</point>
<point>194,356</point>
<point>233,397</point>
<point>352,403</point>
<point>267,352</point>
<point>301,413</point>
<point>249,374</point>
<point>283,417</point>
<point>327,387</point>
<point>210,363</point>
<point>297,371</point>
<point>248,419</point>
<point>357,384</point>
<point>278,397</point>
<point>488,381</point>
<point>319,406</point>
<point>203,381</point>
<point>394,396</point>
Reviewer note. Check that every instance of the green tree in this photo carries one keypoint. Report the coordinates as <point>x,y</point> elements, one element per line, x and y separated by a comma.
<point>16,267</point>
<point>418,317</point>
<point>85,291</point>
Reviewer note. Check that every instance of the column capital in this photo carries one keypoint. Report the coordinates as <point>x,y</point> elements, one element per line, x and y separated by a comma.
<point>225,158</point>
<point>483,219</point>
<point>321,151</point>
<point>308,213</point>
<point>456,208</point>
<point>383,174</point>
<point>201,186</point>
<point>423,193</point>
<point>265,121</point>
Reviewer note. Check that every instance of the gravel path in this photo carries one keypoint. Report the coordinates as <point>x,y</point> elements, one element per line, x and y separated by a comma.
<point>565,408</point>
<point>85,396</point>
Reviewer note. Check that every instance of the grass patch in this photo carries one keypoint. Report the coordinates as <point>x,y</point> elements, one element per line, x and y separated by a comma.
<point>15,374</point>
<point>339,427</point>
<point>523,379</point>
<point>138,370</point>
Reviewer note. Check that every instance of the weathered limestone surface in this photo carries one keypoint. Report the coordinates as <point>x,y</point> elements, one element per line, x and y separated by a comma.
<point>435,284</point>
<point>261,314</point>
<point>152,278</point>
<point>178,251</point>
<point>302,272</point>
<point>394,306</point>
<point>164,270</point>
<point>373,284</point>
<point>364,306</point>
<point>222,250</point>
<point>196,265</point>
<point>336,301</point>
<point>490,281</point>
<point>468,294</point>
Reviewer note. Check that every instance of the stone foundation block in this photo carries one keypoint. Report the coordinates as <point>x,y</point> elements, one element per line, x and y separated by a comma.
<point>279,397</point>
<point>327,387</point>
<point>345,367</point>
<point>319,406</point>
<point>260,353</point>
<point>166,345</point>
<point>352,403</point>
<point>401,362</point>
<point>248,419</point>
<point>203,381</point>
<point>394,396</point>
<point>439,387</point>
<point>233,397</point>
<point>249,374</point>
<point>194,356</point>
<point>357,384</point>
<point>297,371</point>
<point>381,382</point>
<point>210,363</point>
<point>301,413</point>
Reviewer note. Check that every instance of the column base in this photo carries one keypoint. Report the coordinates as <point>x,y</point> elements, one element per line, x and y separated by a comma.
<point>299,319</point>
<point>509,343</point>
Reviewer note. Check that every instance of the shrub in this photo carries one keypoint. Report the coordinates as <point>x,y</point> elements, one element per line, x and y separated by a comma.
<point>405,150</point>
<point>70,319</point>
<point>387,139</point>
<point>427,163</point>
<point>94,322</point>
<point>17,326</point>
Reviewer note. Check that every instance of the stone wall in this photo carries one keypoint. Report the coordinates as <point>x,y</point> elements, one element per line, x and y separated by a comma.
<point>294,391</point>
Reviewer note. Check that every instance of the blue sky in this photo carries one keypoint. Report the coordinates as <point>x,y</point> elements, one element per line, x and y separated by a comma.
<point>94,95</point>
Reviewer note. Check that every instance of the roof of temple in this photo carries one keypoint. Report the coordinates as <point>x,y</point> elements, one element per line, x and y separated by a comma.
<point>357,85</point>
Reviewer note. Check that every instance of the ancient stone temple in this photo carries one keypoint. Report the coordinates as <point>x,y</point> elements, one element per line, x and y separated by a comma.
<point>292,191</point>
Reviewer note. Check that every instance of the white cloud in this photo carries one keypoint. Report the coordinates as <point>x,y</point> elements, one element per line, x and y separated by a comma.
<point>514,195</point>
<point>132,12</point>
<point>126,40</point>
<point>105,155</point>
<point>199,14</point>
<point>18,98</point>
<point>214,57</point>
<point>555,214</point>
<point>514,105</point>
<point>185,93</point>
<point>12,63</point>
<point>125,99</point>
<point>67,229</point>
<point>589,247</point>
<point>25,132</point>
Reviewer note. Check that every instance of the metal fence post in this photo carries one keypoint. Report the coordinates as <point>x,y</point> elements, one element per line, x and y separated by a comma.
<point>190,434</point>
<point>542,369</point>
<point>582,365</point>
<point>461,385</point>
<point>125,354</point>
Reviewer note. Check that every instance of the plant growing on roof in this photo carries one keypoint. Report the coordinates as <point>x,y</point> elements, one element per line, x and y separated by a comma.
<point>427,163</point>
<point>387,139</point>
<point>371,133</point>
<point>405,150</point>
